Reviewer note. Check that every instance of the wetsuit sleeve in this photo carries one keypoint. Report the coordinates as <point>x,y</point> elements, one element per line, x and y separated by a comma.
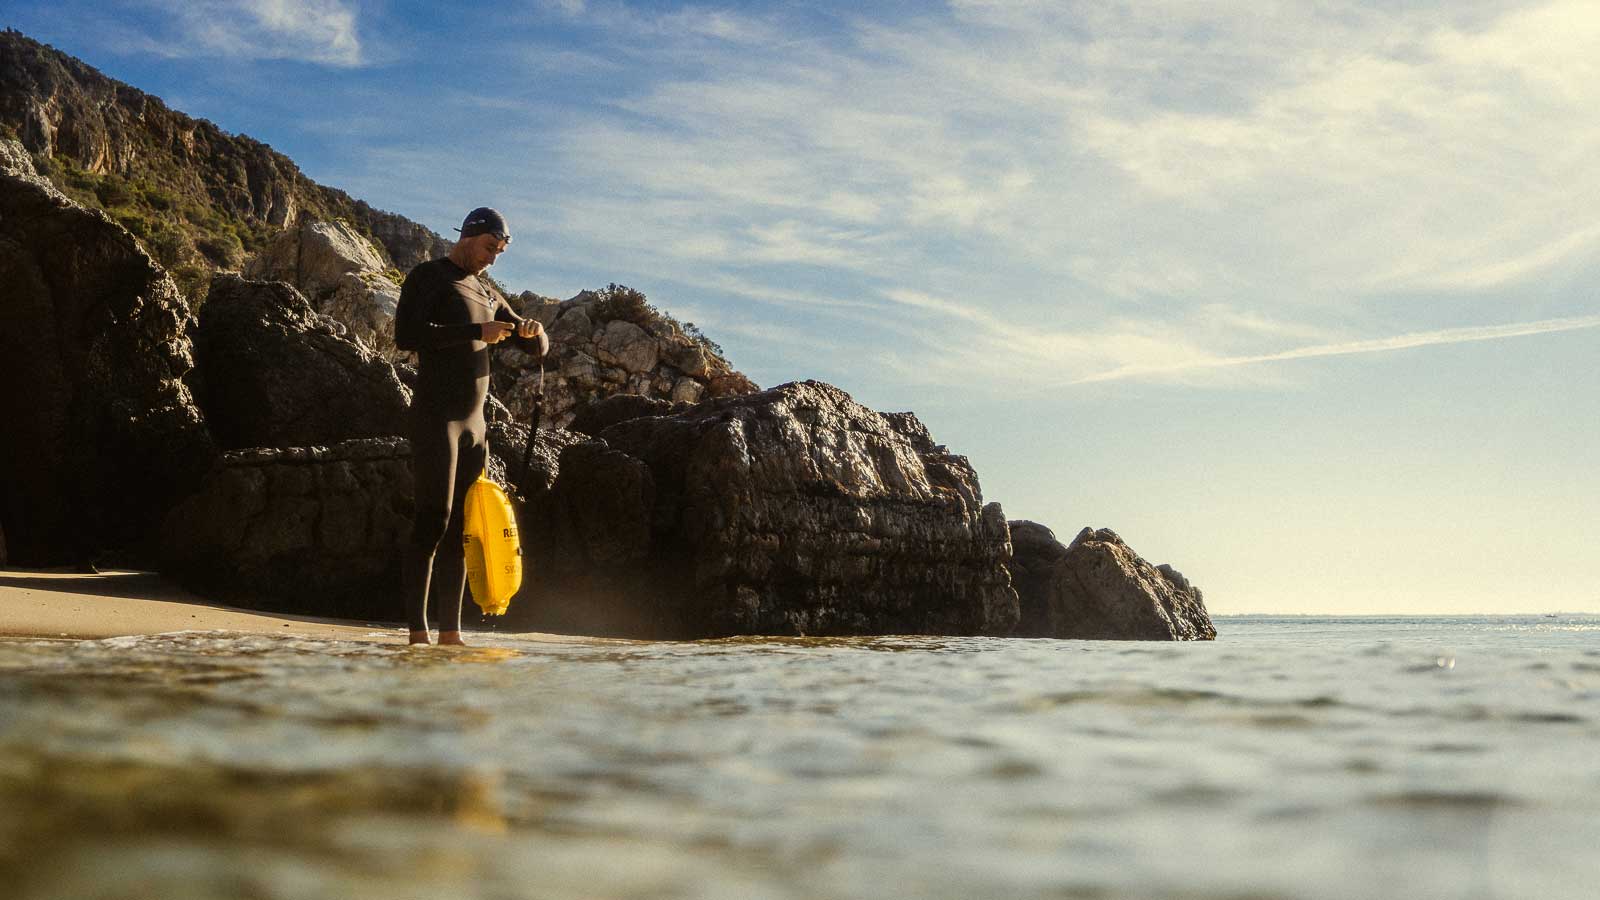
<point>414,328</point>
<point>538,346</point>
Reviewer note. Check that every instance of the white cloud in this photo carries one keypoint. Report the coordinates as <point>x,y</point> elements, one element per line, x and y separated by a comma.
<point>319,31</point>
<point>1502,265</point>
<point>565,7</point>
<point>1376,345</point>
<point>1157,186</point>
<point>1394,157</point>
<point>1129,349</point>
<point>1030,352</point>
<point>632,22</point>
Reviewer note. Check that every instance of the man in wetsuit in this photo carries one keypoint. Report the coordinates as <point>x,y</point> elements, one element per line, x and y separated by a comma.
<point>449,317</point>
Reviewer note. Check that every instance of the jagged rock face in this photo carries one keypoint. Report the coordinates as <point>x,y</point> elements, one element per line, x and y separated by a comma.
<point>15,157</point>
<point>100,433</point>
<point>272,372</point>
<point>790,511</point>
<point>593,357</point>
<point>598,416</point>
<point>1098,588</point>
<point>62,107</point>
<point>315,257</point>
<point>508,442</point>
<point>407,242</point>
<point>1036,556</point>
<point>314,530</point>
<point>341,273</point>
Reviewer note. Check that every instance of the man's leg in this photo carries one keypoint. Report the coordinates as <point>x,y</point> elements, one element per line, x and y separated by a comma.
<point>433,465</point>
<point>450,568</point>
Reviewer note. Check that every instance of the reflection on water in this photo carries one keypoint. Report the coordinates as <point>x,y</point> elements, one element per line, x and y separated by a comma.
<point>1294,758</point>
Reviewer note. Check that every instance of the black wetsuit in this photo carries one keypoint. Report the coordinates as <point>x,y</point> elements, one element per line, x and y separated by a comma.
<point>441,311</point>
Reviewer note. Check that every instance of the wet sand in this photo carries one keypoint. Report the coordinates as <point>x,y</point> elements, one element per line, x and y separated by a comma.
<point>56,604</point>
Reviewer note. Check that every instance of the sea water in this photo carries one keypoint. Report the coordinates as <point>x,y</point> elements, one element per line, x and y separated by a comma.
<point>1293,757</point>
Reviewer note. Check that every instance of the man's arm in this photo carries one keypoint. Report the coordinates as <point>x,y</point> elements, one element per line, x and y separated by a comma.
<point>414,329</point>
<point>530,334</point>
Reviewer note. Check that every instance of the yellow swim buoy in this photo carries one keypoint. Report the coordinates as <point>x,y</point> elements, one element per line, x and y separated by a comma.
<point>493,550</point>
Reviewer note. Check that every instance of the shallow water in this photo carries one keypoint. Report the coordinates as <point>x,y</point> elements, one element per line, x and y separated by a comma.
<point>1301,757</point>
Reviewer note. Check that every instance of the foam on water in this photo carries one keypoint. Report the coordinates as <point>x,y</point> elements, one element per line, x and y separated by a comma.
<point>1314,758</point>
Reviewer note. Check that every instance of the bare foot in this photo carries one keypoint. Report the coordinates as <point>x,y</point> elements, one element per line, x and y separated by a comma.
<point>421,637</point>
<point>451,638</point>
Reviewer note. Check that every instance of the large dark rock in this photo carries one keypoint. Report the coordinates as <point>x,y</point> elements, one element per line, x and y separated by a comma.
<point>507,444</point>
<point>1036,556</point>
<point>313,530</point>
<point>316,530</point>
<point>790,511</point>
<point>100,435</point>
<point>1098,588</point>
<point>273,372</point>
<point>595,417</point>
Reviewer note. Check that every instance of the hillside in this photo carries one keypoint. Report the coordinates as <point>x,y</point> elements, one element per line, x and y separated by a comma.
<point>202,201</point>
<point>199,199</point>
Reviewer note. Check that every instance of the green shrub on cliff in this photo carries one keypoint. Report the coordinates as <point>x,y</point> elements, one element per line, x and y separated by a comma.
<point>618,301</point>
<point>223,249</point>
<point>114,191</point>
<point>693,332</point>
<point>158,198</point>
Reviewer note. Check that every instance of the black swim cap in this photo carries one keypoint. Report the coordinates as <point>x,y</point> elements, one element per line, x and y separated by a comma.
<point>484,220</point>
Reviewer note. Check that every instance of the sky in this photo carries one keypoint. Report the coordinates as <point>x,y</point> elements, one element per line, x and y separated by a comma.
<point>1299,297</point>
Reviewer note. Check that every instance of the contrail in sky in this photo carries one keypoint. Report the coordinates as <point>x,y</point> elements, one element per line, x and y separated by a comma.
<point>1376,345</point>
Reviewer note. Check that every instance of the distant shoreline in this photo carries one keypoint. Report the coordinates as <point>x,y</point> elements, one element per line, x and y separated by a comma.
<point>1559,614</point>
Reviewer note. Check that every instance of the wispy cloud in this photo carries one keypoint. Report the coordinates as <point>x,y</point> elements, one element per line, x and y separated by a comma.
<point>685,22</point>
<point>1168,189</point>
<point>1376,345</point>
<point>317,31</point>
<point>1172,149</point>
<point>1131,349</point>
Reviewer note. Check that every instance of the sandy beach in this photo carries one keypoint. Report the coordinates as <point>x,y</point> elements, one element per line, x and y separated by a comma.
<point>57,604</point>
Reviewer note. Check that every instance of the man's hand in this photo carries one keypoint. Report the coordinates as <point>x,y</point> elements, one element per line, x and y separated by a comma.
<point>495,332</point>
<point>529,328</point>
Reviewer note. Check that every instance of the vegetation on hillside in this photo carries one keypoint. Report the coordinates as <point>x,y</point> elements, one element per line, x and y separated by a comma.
<point>618,301</point>
<point>188,236</point>
<point>199,198</point>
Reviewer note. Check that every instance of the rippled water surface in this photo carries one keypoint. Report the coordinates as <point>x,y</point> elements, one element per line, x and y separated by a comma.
<point>1318,758</point>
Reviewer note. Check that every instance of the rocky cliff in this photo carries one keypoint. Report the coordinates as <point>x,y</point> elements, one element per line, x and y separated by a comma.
<point>794,510</point>
<point>199,198</point>
<point>101,434</point>
<point>201,201</point>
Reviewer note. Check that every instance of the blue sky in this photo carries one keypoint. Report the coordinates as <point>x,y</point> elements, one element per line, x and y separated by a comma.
<point>1299,297</point>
